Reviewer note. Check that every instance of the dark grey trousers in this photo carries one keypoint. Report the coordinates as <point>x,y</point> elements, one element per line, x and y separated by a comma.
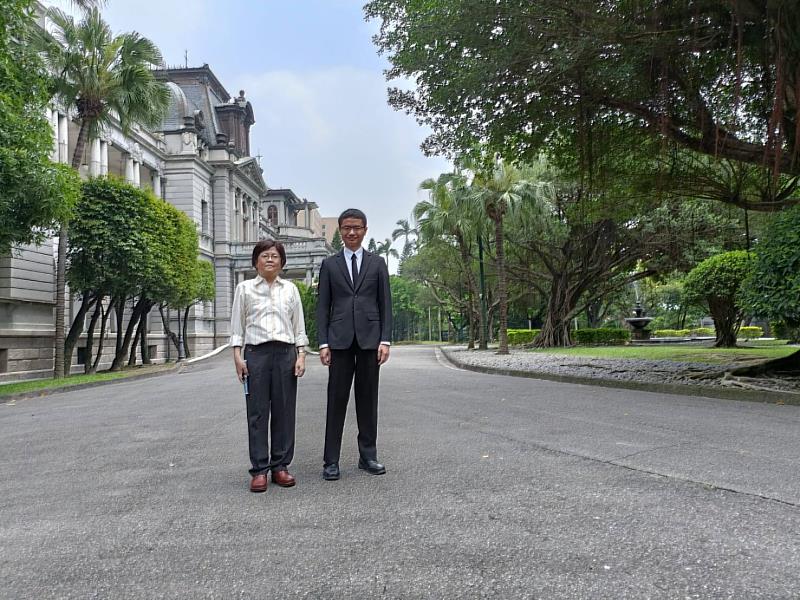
<point>271,405</point>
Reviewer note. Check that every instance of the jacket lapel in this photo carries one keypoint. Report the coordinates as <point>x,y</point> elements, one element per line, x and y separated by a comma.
<point>366,259</point>
<point>345,268</point>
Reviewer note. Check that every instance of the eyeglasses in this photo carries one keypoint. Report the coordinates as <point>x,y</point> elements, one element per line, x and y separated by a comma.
<point>272,256</point>
<point>353,229</point>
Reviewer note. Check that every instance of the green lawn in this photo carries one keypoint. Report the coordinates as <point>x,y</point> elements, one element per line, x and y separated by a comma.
<point>48,384</point>
<point>683,352</point>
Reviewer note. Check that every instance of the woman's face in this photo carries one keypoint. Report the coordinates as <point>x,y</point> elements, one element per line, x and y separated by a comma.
<point>268,264</point>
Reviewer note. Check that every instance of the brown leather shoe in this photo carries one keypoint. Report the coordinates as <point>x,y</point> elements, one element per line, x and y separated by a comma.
<point>283,478</point>
<point>259,483</point>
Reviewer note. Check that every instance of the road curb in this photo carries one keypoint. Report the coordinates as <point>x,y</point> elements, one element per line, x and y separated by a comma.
<point>664,388</point>
<point>12,398</point>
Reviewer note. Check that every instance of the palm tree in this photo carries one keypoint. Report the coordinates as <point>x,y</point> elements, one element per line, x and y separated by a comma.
<point>404,230</point>
<point>385,249</point>
<point>498,190</point>
<point>451,212</point>
<point>101,77</point>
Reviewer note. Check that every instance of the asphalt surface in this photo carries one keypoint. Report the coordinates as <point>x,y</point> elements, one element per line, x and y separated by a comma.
<point>497,487</point>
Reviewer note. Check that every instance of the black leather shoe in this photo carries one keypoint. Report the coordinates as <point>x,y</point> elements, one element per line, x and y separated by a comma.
<point>331,472</point>
<point>373,467</point>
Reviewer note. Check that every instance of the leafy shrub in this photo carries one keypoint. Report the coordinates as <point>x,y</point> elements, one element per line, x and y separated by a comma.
<point>750,333</point>
<point>784,331</point>
<point>659,333</point>
<point>603,336</point>
<point>518,337</point>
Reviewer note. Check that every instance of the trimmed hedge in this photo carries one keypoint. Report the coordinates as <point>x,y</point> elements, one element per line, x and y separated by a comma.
<point>750,333</point>
<point>517,337</point>
<point>703,332</point>
<point>660,333</point>
<point>603,336</point>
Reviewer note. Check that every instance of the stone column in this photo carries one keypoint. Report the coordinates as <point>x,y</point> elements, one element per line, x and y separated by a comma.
<point>157,183</point>
<point>63,139</point>
<point>137,173</point>
<point>94,157</point>
<point>103,157</point>
<point>129,169</point>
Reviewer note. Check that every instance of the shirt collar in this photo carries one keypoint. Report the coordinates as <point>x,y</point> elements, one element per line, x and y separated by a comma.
<point>260,279</point>
<point>348,253</point>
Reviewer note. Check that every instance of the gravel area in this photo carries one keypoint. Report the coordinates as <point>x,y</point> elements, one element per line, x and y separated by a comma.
<point>655,372</point>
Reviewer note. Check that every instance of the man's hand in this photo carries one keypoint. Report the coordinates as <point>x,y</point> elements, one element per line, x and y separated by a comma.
<point>325,356</point>
<point>383,353</point>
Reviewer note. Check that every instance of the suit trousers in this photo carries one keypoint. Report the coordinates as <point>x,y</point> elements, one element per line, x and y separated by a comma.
<point>271,405</point>
<point>346,366</point>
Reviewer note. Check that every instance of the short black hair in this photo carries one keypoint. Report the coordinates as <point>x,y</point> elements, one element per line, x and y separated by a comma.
<point>353,213</point>
<point>266,245</point>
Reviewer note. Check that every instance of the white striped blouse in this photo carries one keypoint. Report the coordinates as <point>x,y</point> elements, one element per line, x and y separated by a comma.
<point>267,313</point>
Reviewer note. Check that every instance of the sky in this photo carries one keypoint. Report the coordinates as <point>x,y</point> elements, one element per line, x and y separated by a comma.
<point>315,80</point>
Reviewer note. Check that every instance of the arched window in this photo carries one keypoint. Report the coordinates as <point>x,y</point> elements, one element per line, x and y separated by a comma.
<point>272,215</point>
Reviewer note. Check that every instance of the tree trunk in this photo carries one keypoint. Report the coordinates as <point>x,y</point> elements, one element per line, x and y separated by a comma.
<point>135,344</point>
<point>119,317</point>
<point>727,320</point>
<point>186,352</point>
<point>145,349</point>
<point>98,309</point>
<point>61,265</point>
<point>75,330</point>
<point>100,344</point>
<point>472,289</point>
<point>171,334</point>
<point>122,352</point>
<point>502,281</point>
<point>555,331</point>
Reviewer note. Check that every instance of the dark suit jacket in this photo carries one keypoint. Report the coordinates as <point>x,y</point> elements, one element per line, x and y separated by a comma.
<point>345,310</point>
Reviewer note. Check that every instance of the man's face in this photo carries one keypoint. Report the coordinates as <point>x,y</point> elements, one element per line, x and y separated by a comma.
<point>352,231</point>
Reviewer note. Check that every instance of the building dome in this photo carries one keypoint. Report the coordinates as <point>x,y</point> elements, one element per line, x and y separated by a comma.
<point>179,109</point>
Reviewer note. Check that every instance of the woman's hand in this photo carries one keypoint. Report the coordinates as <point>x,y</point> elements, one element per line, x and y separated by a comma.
<point>240,363</point>
<point>300,365</point>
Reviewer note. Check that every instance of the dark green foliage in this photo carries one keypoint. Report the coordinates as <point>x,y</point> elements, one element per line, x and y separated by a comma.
<point>336,242</point>
<point>308,297</point>
<point>603,336</point>
<point>773,289</point>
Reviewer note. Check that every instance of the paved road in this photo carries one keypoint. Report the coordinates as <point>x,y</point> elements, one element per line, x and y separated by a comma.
<point>497,487</point>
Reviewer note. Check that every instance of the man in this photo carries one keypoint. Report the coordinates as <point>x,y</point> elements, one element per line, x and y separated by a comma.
<point>354,320</point>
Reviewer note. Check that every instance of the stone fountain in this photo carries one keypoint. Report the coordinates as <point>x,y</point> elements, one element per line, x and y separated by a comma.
<point>638,322</point>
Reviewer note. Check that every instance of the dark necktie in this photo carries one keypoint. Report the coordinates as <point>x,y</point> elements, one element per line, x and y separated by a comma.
<point>354,268</point>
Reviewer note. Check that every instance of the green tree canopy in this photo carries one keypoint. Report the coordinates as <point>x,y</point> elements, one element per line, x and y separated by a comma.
<point>718,78</point>
<point>35,195</point>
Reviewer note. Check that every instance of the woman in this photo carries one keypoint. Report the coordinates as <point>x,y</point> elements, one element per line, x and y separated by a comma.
<point>267,321</point>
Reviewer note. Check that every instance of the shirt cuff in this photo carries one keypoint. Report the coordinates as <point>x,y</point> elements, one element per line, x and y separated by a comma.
<point>386,343</point>
<point>321,346</point>
<point>237,340</point>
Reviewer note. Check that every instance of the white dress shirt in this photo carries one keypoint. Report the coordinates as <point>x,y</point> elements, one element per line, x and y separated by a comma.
<point>348,257</point>
<point>264,312</point>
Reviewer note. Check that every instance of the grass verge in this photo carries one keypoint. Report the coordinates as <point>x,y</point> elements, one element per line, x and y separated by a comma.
<point>680,353</point>
<point>22,387</point>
